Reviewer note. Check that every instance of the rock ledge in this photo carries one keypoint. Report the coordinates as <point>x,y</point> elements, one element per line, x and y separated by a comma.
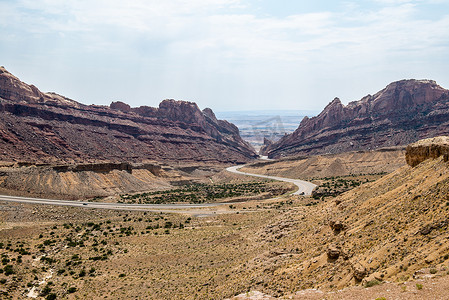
<point>422,150</point>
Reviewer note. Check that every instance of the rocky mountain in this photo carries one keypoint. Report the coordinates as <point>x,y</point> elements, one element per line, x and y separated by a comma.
<point>402,113</point>
<point>47,128</point>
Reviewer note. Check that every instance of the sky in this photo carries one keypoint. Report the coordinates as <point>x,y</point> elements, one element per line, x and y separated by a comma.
<point>228,55</point>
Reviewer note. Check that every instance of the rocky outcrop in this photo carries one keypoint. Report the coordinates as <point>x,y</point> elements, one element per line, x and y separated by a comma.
<point>47,127</point>
<point>155,169</point>
<point>337,226</point>
<point>422,150</point>
<point>333,251</point>
<point>402,113</point>
<point>120,106</point>
<point>267,143</point>
<point>359,271</point>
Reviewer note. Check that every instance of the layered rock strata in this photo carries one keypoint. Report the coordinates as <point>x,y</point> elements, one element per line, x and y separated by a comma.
<point>402,113</point>
<point>46,127</point>
<point>425,149</point>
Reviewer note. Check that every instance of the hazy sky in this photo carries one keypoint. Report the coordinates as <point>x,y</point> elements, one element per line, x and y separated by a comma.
<point>224,54</point>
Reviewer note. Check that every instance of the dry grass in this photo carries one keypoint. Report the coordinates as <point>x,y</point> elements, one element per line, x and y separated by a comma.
<point>393,229</point>
<point>321,166</point>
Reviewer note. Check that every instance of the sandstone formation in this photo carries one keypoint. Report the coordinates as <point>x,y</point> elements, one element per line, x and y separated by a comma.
<point>402,113</point>
<point>422,150</point>
<point>81,181</point>
<point>46,127</point>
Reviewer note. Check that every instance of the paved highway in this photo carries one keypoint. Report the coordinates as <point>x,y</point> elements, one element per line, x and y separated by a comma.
<point>193,209</point>
<point>303,186</point>
<point>169,208</point>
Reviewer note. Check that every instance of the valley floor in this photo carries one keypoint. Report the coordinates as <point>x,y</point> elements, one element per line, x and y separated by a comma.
<point>386,238</point>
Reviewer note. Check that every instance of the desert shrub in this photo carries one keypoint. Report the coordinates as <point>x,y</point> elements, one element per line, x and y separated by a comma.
<point>75,257</point>
<point>419,286</point>
<point>71,290</point>
<point>61,271</point>
<point>8,270</point>
<point>45,291</point>
<point>82,273</point>
<point>51,296</point>
<point>372,283</point>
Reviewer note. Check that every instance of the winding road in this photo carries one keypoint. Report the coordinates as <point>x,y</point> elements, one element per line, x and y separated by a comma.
<point>304,187</point>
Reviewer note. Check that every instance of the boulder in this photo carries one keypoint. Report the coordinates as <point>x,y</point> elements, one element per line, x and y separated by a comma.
<point>333,252</point>
<point>337,225</point>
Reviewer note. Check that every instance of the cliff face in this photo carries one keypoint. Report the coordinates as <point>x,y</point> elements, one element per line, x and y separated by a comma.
<point>47,127</point>
<point>422,150</point>
<point>402,113</point>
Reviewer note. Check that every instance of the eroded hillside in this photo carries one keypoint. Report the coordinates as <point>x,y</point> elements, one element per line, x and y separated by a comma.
<point>393,229</point>
<point>331,165</point>
<point>81,181</point>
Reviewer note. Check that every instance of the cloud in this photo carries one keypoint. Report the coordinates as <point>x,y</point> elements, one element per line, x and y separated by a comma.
<point>395,2</point>
<point>225,26</point>
<point>222,41</point>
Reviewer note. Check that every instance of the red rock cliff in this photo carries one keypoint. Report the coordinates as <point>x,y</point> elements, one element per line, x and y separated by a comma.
<point>46,127</point>
<point>402,113</point>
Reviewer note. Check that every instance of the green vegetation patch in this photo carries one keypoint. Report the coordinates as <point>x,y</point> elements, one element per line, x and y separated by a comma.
<point>334,186</point>
<point>201,193</point>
